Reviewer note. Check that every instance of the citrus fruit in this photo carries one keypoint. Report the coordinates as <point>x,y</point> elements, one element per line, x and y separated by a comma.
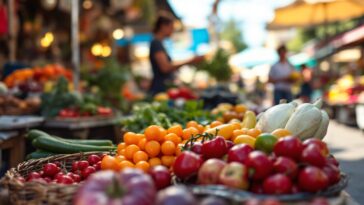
<point>152,132</point>
<point>168,148</point>
<point>188,132</point>
<point>154,161</point>
<point>176,129</point>
<point>162,134</point>
<point>265,142</point>
<point>130,138</point>
<point>215,124</point>
<point>130,151</point>
<point>109,162</point>
<point>152,148</point>
<point>168,160</point>
<point>125,164</point>
<point>141,143</point>
<point>140,156</point>
<point>143,165</point>
<point>173,137</point>
<point>254,132</point>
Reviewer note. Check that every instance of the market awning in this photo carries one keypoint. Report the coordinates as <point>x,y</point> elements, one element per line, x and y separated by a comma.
<point>304,13</point>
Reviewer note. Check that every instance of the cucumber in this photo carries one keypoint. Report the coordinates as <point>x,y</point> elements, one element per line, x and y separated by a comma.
<point>33,134</point>
<point>96,142</point>
<point>51,144</point>
<point>39,154</point>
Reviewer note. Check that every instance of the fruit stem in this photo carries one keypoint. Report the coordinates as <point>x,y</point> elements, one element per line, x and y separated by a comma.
<point>114,190</point>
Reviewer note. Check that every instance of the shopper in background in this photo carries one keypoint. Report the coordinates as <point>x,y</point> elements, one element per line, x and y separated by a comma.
<point>280,76</point>
<point>163,68</point>
<point>306,87</point>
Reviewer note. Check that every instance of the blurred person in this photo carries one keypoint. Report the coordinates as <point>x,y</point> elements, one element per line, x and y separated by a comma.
<point>306,86</point>
<point>280,77</point>
<point>162,65</point>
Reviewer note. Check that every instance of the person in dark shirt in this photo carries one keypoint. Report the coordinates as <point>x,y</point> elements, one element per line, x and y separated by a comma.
<point>161,62</point>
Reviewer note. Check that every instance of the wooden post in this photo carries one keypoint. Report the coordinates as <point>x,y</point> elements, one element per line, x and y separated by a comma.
<point>12,30</point>
<point>75,43</point>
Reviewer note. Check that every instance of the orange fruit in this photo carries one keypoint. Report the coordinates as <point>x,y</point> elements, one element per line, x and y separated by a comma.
<point>188,132</point>
<point>140,136</point>
<point>130,151</point>
<point>237,133</point>
<point>192,124</point>
<point>236,125</point>
<point>200,128</point>
<point>152,148</point>
<point>173,137</point>
<point>152,132</point>
<point>120,158</point>
<point>122,152</point>
<point>168,160</point>
<point>154,161</point>
<point>184,141</point>
<point>215,124</point>
<point>125,164</point>
<point>140,156</point>
<point>240,108</point>
<point>168,148</point>
<point>143,165</point>
<point>176,129</point>
<point>162,134</point>
<point>130,138</point>
<point>109,162</point>
<point>121,146</point>
<point>179,149</point>
<point>141,143</point>
<point>254,132</point>
<point>281,133</point>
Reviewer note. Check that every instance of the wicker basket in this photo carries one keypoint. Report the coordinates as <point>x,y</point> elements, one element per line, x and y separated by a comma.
<point>36,193</point>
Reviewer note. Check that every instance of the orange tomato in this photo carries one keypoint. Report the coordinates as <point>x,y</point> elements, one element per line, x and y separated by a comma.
<point>125,164</point>
<point>179,149</point>
<point>120,158</point>
<point>140,156</point>
<point>168,148</point>
<point>141,143</point>
<point>121,146</point>
<point>162,134</point>
<point>130,150</point>
<point>152,132</point>
<point>254,132</point>
<point>143,165</point>
<point>168,160</point>
<point>176,129</point>
<point>154,161</point>
<point>215,124</point>
<point>200,128</point>
<point>173,137</point>
<point>109,162</point>
<point>152,148</point>
<point>192,124</point>
<point>188,132</point>
<point>130,138</point>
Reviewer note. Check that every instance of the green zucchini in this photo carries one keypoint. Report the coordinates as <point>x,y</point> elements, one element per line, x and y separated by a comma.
<point>33,134</point>
<point>95,142</point>
<point>48,143</point>
<point>39,154</point>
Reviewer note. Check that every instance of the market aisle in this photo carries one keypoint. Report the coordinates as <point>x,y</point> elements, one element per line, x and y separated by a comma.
<point>347,144</point>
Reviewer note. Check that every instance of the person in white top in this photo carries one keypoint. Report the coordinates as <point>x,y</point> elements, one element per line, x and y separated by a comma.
<point>280,76</point>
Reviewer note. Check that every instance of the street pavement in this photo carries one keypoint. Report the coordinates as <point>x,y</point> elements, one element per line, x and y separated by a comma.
<point>347,145</point>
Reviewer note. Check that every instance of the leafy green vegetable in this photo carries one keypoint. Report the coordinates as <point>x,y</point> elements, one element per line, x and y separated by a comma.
<point>160,113</point>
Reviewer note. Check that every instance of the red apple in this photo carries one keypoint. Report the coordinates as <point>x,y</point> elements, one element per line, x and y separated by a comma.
<point>210,171</point>
<point>322,145</point>
<point>285,165</point>
<point>239,153</point>
<point>257,188</point>
<point>196,147</point>
<point>229,144</point>
<point>312,179</point>
<point>261,165</point>
<point>313,156</point>
<point>235,175</point>
<point>161,176</point>
<point>277,184</point>
<point>333,173</point>
<point>288,147</point>
<point>215,148</point>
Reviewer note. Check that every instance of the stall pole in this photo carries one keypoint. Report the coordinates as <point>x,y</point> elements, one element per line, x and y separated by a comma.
<point>12,30</point>
<point>75,43</point>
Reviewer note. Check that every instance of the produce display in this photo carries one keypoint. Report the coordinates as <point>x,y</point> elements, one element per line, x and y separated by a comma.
<point>33,79</point>
<point>56,172</point>
<point>48,145</point>
<point>161,114</point>
<point>10,105</point>
<point>176,93</point>
<point>63,103</point>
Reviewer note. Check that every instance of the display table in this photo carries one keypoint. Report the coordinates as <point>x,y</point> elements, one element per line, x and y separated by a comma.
<point>85,127</point>
<point>12,129</point>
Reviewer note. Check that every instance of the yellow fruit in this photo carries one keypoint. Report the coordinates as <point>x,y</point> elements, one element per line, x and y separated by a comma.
<point>281,133</point>
<point>245,139</point>
<point>224,130</point>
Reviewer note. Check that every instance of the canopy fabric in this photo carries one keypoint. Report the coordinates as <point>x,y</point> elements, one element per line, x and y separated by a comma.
<point>304,13</point>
